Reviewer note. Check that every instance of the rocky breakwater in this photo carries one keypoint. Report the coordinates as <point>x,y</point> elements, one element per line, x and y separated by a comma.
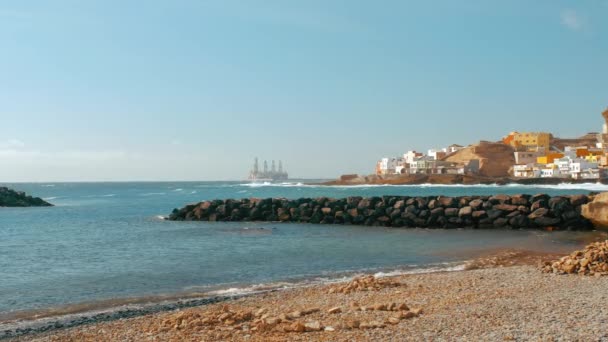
<point>498,211</point>
<point>12,198</point>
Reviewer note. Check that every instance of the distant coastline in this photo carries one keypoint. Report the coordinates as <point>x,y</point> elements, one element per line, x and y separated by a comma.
<point>346,180</point>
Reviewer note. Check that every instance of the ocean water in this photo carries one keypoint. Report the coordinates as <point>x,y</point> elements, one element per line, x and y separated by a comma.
<point>106,241</point>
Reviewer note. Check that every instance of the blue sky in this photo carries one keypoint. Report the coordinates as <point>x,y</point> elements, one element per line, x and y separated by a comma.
<point>194,90</point>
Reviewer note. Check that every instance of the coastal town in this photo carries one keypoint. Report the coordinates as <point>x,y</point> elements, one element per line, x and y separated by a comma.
<point>518,155</point>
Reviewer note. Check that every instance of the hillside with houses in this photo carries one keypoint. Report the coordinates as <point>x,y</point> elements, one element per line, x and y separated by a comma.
<point>524,157</point>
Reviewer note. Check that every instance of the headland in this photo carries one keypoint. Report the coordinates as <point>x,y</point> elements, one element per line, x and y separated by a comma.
<point>12,198</point>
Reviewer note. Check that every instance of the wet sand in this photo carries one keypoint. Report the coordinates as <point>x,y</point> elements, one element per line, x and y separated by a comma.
<point>499,297</point>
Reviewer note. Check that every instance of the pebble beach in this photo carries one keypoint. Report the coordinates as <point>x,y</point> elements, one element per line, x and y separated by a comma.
<point>503,297</point>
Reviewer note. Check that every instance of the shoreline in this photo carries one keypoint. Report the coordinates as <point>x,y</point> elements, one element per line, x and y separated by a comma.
<point>492,302</point>
<point>52,325</point>
<point>438,179</point>
<point>32,322</point>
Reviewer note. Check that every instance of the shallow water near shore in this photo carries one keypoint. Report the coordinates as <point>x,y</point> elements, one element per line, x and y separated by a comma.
<point>105,243</point>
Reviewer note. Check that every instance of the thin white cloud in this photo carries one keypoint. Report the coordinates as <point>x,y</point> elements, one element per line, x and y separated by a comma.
<point>572,20</point>
<point>11,144</point>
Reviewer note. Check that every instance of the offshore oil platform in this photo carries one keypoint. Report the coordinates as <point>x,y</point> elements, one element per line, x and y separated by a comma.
<point>267,175</point>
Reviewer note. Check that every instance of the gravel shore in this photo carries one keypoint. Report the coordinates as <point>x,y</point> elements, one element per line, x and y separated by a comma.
<point>490,304</point>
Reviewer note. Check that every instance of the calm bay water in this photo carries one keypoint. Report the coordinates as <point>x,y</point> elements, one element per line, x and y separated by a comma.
<point>105,241</point>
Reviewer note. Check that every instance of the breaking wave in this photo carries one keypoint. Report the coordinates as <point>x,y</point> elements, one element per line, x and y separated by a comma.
<point>563,186</point>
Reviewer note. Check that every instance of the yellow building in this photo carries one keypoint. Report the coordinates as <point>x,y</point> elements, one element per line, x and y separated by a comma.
<point>549,158</point>
<point>529,140</point>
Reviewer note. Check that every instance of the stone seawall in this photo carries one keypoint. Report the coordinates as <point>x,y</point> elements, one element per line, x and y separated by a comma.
<point>498,211</point>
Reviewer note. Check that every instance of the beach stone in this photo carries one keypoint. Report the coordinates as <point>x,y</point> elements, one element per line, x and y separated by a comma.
<point>334,310</point>
<point>313,326</point>
<point>422,202</point>
<point>408,315</point>
<point>596,211</point>
<point>478,214</point>
<point>399,204</point>
<point>465,211</point>
<point>297,327</point>
<point>500,199</point>
<point>353,201</point>
<point>294,314</point>
<point>547,221</point>
<point>364,204</point>
<point>487,205</point>
<point>310,310</point>
<point>379,307</point>
<point>437,212</point>
<point>476,204</point>
<point>393,320</point>
<point>446,202</point>
<point>519,200</point>
<point>353,324</point>
<point>519,221</point>
<point>540,212</point>
<point>505,207</point>
<point>493,214</point>
<point>576,200</point>
<point>451,212</point>
<point>541,203</point>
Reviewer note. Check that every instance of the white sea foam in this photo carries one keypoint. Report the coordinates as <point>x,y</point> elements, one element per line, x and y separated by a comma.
<point>51,198</point>
<point>154,194</point>
<point>562,186</point>
<point>282,185</point>
<point>459,267</point>
<point>262,287</point>
<point>178,189</point>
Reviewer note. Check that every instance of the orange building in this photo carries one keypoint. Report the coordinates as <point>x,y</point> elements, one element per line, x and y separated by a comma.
<point>549,158</point>
<point>528,140</point>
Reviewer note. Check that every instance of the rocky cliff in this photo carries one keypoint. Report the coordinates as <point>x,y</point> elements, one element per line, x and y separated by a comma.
<point>498,211</point>
<point>495,158</point>
<point>12,198</point>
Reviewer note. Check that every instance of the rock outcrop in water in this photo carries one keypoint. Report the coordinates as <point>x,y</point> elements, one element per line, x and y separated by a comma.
<point>498,211</point>
<point>12,198</point>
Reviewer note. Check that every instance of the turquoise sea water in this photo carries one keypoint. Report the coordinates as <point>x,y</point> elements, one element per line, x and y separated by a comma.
<point>106,241</point>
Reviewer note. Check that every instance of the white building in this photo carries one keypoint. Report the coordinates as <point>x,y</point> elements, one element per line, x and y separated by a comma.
<point>526,171</point>
<point>550,172</point>
<point>454,147</point>
<point>579,166</point>
<point>437,154</point>
<point>387,166</point>
<point>410,156</point>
